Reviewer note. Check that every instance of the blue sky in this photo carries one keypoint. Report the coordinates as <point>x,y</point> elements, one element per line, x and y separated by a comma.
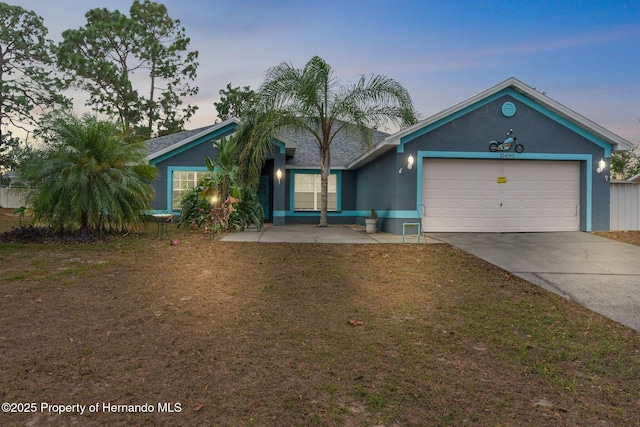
<point>583,54</point>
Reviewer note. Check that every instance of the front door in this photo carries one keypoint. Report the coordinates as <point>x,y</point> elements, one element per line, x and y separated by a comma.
<point>264,196</point>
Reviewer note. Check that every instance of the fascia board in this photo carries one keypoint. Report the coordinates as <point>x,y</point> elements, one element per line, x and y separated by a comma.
<point>192,138</point>
<point>289,145</point>
<point>618,143</point>
<point>374,152</point>
<point>313,167</point>
<point>635,178</point>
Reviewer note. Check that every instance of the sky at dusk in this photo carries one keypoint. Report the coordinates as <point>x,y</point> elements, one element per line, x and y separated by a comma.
<point>583,54</point>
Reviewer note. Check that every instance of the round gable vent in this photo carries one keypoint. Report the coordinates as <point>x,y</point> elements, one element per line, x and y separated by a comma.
<point>508,109</point>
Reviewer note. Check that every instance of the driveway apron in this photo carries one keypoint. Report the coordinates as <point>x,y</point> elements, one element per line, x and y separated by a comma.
<point>600,274</point>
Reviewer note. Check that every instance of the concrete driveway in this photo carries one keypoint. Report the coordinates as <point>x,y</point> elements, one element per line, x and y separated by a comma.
<point>600,274</point>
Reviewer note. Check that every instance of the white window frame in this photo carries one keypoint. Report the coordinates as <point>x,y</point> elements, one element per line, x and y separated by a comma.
<point>315,191</point>
<point>190,182</point>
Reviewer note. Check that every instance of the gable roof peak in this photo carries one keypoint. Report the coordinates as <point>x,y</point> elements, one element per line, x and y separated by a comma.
<point>618,143</point>
<point>159,146</point>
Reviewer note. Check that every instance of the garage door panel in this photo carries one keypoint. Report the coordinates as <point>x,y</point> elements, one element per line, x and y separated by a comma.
<point>487,205</point>
<point>464,195</point>
<point>511,222</point>
<point>530,204</point>
<point>450,185</point>
<point>563,205</point>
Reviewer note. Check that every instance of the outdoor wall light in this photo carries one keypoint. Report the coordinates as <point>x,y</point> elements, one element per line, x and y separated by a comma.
<point>213,197</point>
<point>410,162</point>
<point>601,166</point>
<point>279,175</point>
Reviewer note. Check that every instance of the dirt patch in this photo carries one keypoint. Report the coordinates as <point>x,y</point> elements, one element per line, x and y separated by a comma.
<point>631,237</point>
<point>215,333</point>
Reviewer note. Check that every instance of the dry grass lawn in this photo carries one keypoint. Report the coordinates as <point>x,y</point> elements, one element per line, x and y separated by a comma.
<point>243,334</point>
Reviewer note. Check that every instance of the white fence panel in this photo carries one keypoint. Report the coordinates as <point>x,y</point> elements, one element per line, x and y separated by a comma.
<point>625,206</point>
<point>13,197</point>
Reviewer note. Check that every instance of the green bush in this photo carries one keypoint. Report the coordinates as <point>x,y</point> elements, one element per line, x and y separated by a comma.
<point>87,177</point>
<point>240,210</point>
<point>219,203</point>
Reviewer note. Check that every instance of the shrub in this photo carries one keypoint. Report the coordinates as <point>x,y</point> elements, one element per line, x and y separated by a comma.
<point>87,177</point>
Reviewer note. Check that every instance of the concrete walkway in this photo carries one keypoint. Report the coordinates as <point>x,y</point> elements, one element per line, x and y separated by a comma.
<point>302,233</point>
<point>600,274</point>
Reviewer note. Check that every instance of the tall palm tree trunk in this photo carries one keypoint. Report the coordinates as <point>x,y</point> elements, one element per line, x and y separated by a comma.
<point>325,167</point>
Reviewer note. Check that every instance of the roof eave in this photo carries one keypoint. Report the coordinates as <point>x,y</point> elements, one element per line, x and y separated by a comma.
<point>211,129</point>
<point>635,178</point>
<point>289,145</point>
<point>618,143</point>
<point>289,166</point>
<point>374,152</point>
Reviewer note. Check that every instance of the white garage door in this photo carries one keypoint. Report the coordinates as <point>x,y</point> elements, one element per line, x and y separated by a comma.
<point>465,195</point>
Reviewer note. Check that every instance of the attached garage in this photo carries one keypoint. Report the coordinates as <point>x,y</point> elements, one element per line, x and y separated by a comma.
<point>481,195</point>
<point>453,172</point>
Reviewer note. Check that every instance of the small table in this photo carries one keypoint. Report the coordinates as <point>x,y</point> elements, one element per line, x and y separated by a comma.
<point>162,220</point>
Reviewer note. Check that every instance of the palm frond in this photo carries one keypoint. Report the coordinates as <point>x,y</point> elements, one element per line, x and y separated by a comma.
<point>88,177</point>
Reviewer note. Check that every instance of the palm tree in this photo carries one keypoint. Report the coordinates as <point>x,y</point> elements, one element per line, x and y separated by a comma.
<point>224,166</point>
<point>220,188</point>
<point>87,177</point>
<point>312,100</point>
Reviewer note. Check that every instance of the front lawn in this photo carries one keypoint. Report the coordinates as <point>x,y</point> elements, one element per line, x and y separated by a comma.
<point>240,334</point>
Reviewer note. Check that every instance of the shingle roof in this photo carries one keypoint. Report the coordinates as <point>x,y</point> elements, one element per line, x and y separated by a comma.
<point>157,144</point>
<point>345,148</point>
